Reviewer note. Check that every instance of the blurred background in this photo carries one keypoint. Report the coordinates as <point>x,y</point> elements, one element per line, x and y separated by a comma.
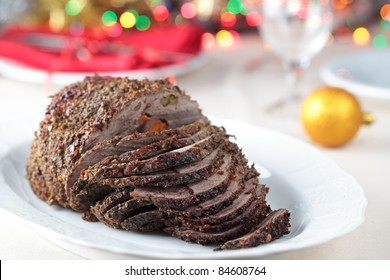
<point>223,21</point>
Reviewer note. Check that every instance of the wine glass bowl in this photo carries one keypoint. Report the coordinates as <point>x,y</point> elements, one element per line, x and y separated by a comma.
<point>295,30</point>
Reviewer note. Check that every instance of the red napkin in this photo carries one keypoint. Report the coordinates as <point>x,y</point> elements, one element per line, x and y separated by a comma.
<point>133,50</point>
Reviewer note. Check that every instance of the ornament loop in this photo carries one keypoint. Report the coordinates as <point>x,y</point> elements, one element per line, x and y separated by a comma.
<point>368,118</point>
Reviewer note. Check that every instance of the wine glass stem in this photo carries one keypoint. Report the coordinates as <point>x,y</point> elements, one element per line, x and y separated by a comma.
<point>294,71</point>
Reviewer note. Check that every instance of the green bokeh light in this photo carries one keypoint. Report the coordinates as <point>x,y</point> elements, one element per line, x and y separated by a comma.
<point>142,23</point>
<point>109,18</point>
<point>72,8</point>
<point>379,41</point>
<point>134,12</point>
<point>235,6</point>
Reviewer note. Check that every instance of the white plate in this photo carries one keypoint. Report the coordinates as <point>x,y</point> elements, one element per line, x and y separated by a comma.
<point>364,73</point>
<point>325,202</point>
<point>17,71</point>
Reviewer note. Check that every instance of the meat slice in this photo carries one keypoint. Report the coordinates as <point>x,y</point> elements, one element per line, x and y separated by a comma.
<point>206,238</point>
<point>274,226</point>
<point>111,200</point>
<point>217,203</point>
<point>189,154</point>
<point>117,214</point>
<point>235,209</point>
<point>181,175</point>
<point>88,196</point>
<point>159,147</point>
<point>181,197</point>
<point>146,221</point>
<point>252,214</point>
<point>137,145</point>
<point>138,139</point>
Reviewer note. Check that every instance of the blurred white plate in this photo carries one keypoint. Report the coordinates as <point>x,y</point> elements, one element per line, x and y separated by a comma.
<point>364,73</point>
<point>325,202</point>
<point>17,71</point>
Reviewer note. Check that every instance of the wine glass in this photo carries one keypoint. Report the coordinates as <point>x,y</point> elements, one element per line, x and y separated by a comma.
<point>295,30</point>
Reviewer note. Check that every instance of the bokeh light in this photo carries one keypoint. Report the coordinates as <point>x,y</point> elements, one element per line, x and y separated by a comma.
<point>208,40</point>
<point>72,8</point>
<point>160,13</point>
<point>339,4</point>
<point>114,30</point>
<point>253,18</point>
<point>385,12</point>
<point>228,19</point>
<point>188,10</point>
<point>235,6</point>
<point>109,18</point>
<point>142,23</point>
<point>225,38</point>
<point>361,36</point>
<point>379,41</point>
<point>127,20</point>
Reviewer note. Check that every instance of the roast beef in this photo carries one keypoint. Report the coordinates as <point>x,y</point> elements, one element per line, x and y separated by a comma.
<point>140,156</point>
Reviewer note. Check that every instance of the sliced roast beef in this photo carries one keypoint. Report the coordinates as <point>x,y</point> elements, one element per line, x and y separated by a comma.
<point>250,215</point>
<point>181,197</point>
<point>118,213</point>
<point>159,147</point>
<point>85,198</point>
<point>181,175</point>
<point>206,238</point>
<point>139,155</point>
<point>189,154</point>
<point>111,200</point>
<point>274,226</point>
<point>138,140</point>
<point>138,145</point>
<point>213,205</point>
<point>235,209</point>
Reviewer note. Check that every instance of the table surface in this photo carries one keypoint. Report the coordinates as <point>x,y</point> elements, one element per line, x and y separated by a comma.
<point>238,83</point>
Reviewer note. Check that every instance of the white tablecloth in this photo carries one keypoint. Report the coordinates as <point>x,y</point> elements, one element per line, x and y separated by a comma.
<point>225,87</point>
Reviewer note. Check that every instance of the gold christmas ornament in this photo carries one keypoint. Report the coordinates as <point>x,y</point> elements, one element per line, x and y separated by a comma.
<point>332,116</point>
